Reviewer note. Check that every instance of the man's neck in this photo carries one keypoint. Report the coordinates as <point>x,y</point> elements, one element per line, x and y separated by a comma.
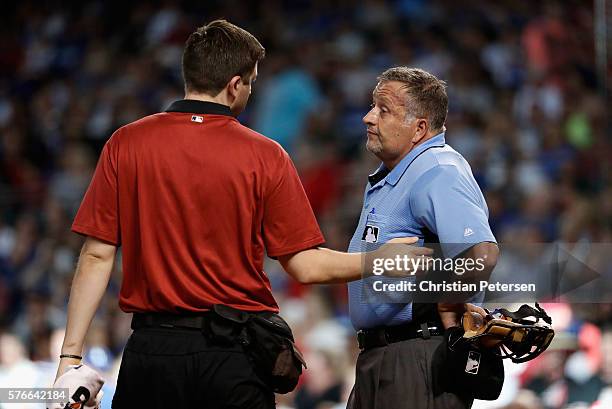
<point>221,98</point>
<point>390,164</point>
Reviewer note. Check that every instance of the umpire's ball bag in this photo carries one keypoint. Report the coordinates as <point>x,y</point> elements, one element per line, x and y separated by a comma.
<point>465,369</point>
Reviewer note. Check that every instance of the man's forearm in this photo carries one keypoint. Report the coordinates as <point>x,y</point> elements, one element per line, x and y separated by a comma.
<point>484,254</point>
<point>324,266</point>
<point>88,287</point>
<point>450,310</point>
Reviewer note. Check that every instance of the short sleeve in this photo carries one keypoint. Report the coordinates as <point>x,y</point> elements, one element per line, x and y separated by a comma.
<point>98,215</point>
<point>450,204</point>
<point>289,224</point>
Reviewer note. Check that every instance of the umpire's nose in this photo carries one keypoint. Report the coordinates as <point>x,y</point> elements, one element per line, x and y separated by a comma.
<point>371,117</point>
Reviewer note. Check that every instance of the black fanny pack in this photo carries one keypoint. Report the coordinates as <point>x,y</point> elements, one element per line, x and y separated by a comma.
<point>466,370</point>
<point>268,341</point>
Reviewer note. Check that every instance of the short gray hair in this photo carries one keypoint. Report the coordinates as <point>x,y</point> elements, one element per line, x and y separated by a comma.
<point>426,93</point>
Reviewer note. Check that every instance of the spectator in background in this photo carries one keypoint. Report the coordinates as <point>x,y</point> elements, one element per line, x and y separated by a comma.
<point>325,388</point>
<point>16,370</point>
<point>286,100</point>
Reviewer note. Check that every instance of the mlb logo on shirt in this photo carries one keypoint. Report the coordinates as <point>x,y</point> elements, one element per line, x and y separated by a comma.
<point>197,118</point>
<point>370,234</point>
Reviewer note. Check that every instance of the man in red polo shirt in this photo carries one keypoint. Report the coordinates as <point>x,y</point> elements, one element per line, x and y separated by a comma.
<point>196,200</point>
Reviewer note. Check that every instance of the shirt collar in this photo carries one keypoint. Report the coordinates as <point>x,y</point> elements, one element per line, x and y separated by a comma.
<point>394,175</point>
<point>192,106</point>
<point>378,175</point>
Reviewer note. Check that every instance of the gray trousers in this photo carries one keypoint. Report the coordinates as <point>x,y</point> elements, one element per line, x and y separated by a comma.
<point>399,376</point>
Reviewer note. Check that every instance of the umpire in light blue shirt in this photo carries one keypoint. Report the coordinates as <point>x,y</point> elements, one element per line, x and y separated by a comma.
<point>423,188</point>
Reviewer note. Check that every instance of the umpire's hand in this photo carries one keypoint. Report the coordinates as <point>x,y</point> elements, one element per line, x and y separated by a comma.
<point>450,313</point>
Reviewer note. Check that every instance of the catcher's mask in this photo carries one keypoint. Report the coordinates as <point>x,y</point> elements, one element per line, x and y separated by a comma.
<point>521,335</point>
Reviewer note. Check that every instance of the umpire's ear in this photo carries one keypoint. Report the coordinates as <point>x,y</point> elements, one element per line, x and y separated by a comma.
<point>421,129</point>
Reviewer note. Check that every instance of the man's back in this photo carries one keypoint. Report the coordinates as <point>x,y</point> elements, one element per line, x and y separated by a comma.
<point>197,198</point>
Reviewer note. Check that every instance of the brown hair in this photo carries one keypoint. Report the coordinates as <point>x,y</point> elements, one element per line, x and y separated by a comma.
<point>216,52</point>
<point>426,93</point>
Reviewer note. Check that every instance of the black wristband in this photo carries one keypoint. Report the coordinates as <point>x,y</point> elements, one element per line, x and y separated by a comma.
<point>71,356</point>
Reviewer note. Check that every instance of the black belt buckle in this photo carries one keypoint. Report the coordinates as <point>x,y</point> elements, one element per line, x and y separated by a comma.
<point>426,332</point>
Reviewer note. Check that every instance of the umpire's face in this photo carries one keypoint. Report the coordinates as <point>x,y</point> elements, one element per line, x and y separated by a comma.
<point>392,132</point>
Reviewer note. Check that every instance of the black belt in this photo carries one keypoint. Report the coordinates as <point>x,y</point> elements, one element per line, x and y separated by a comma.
<point>165,320</point>
<point>383,336</point>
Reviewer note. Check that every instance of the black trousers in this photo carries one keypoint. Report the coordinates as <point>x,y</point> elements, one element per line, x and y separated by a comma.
<point>181,368</point>
<point>399,376</point>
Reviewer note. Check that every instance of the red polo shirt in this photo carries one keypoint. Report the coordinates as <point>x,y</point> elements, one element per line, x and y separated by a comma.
<point>196,199</point>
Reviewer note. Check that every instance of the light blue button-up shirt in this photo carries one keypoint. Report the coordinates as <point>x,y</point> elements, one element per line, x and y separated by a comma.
<point>431,189</point>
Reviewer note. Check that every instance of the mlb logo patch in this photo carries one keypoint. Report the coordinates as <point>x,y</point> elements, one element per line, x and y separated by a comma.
<point>197,118</point>
<point>473,362</point>
<point>370,234</point>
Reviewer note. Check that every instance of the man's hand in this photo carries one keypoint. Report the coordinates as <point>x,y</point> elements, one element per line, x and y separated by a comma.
<point>83,384</point>
<point>408,259</point>
<point>450,314</point>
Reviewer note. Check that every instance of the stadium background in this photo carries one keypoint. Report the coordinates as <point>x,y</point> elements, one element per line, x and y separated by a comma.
<point>527,109</point>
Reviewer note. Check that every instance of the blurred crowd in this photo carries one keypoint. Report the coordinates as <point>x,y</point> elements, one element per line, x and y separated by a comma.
<point>527,110</point>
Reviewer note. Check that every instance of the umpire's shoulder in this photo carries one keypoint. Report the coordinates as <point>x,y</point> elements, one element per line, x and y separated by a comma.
<point>443,165</point>
<point>438,175</point>
<point>445,156</point>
